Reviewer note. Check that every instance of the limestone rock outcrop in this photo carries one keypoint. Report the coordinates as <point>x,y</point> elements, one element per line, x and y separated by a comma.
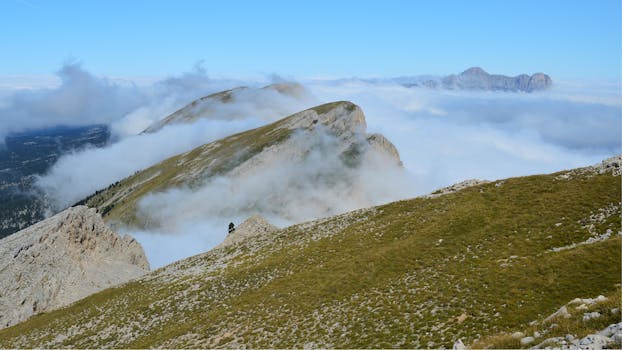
<point>253,226</point>
<point>63,259</point>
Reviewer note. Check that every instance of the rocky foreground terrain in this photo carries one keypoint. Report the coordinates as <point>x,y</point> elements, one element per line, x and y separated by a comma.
<point>479,265</point>
<point>63,259</point>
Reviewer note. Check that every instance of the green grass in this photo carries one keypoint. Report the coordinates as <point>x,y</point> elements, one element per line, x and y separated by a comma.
<point>321,109</point>
<point>476,264</point>
<point>561,326</point>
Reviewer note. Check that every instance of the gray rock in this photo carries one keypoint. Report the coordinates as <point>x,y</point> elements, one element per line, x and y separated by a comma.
<point>527,340</point>
<point>590,316</point>
<point>613,165</point>
<point>253,226</point>
<point>518,335</point>
<point>63,259</point>
<point>562,312</point>
<point>611,330</point>
<point>594,341</point>
<point>459,345</point>
<point>381,144</point>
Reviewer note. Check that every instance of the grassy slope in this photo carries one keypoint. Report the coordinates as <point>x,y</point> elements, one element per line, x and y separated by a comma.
<point>372,278</point>
<point>118,202</point>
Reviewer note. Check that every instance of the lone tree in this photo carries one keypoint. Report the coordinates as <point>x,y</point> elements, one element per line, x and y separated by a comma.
<point>231,227</point>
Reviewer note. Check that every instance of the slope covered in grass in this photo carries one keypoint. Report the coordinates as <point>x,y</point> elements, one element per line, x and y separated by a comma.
<point>416,273</point>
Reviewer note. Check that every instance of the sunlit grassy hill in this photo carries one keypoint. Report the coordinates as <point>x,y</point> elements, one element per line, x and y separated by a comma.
<point>474,264</point>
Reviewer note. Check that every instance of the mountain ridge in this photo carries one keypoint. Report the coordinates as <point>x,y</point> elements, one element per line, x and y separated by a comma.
<point>475,78</point>
<point>205,107</point>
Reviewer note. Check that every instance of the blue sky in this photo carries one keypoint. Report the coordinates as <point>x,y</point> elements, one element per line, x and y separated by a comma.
<point>567,39</point>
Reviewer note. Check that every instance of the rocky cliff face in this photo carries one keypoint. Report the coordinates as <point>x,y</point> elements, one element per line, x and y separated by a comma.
<point>61,260</point>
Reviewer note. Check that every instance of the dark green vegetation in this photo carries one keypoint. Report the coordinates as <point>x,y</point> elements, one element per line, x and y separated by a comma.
<point>416,273</point>
<point>32,153</point>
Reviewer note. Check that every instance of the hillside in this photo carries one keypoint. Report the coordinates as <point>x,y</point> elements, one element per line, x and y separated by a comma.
<point>222,105</point>
<point>336,129</point>
<point>62,259</point>
<point>484,261</point>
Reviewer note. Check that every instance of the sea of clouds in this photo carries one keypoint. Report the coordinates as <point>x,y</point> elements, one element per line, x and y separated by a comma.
<point>443,137</point>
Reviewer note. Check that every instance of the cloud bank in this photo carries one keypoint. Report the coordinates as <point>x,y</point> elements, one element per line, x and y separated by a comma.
<point>84,99</point>
<point>447,136</point>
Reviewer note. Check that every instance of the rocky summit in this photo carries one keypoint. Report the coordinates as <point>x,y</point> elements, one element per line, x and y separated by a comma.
<point>63,259</point>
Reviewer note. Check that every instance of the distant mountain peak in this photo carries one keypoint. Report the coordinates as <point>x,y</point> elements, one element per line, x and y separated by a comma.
<point>474,71</point>
<point>477,79</point>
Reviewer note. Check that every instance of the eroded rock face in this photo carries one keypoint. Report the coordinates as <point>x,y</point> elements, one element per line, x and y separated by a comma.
<point>344,122</point>
<point>613,165</point>
<point>63,259</point>
<point>381,144</point>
